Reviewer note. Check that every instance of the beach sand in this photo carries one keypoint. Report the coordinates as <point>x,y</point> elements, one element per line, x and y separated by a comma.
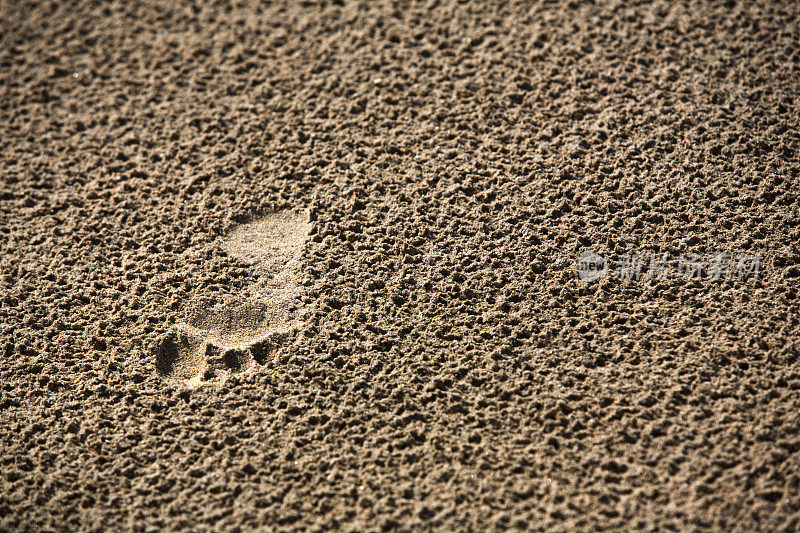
<point>310,266</point>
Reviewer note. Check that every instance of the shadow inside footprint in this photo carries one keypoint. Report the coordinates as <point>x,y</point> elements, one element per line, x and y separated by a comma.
<point>262,350</point>
<point>180,356</point>
<point>222,362</point>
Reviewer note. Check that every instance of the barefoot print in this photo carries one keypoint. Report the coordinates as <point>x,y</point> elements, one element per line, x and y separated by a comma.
<point>214,342</point>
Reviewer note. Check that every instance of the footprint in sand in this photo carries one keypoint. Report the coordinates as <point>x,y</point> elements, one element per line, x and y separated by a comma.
<point>213,342</point>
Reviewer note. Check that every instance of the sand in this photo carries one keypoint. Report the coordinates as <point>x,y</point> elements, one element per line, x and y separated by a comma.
<point>309,266</point>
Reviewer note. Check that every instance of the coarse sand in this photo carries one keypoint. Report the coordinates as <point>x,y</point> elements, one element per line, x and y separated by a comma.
<point>399,265</point>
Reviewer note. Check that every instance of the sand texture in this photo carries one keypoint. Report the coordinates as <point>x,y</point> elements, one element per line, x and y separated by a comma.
<point>312,265</point>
